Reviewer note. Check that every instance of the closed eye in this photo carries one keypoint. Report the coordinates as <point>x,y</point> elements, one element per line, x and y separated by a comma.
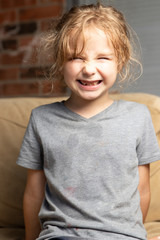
<point>104,58</point>
<point>76,58</point>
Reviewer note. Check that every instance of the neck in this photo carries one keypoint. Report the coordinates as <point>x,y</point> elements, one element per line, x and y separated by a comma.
<point>88,108</point>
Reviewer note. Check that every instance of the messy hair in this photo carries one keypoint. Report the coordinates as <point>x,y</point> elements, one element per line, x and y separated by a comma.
<point>74,23</point>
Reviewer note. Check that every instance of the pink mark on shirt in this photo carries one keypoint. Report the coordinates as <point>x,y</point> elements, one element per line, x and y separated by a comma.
<point>71,190</point>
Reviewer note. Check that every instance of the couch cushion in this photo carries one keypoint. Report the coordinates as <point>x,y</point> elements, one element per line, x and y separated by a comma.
<point>153,229</point>
<point>11,234</point>
<point>14,116</point>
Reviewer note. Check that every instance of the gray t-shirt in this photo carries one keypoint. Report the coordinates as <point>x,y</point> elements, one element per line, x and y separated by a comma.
<point>91,167</point>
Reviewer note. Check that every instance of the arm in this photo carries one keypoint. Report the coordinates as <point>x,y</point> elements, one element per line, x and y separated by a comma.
<point>33,197</point>
<point>155,238</point>
<point>145,193</point>
<point>144,188</point>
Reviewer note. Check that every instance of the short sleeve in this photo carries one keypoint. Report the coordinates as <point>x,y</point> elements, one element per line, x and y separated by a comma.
<point>147,149</point>
<point>31,153</point>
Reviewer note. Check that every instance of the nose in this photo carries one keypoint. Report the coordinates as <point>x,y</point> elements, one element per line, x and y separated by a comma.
<point>89,69</point>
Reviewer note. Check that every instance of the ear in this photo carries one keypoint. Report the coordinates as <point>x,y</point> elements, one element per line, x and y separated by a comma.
<point>120,66</point>
<point>61,69</point>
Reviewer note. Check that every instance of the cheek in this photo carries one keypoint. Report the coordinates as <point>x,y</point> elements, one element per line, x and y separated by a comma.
<point>108,69</point>
<point>71,71</point>
<point>66,73</point>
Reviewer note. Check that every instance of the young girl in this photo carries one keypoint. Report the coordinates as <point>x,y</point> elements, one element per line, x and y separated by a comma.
<point>88,157</point>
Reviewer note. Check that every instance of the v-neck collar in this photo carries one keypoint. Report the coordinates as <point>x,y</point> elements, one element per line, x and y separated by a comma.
<point>94,117</point>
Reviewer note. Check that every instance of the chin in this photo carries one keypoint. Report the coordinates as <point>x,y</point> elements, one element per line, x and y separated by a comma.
<point>90,98</point>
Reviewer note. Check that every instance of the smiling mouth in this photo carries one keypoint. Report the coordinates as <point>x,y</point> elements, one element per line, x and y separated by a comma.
<point>89,83</point>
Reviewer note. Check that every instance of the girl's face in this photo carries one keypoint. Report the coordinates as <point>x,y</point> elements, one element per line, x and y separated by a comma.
<point>92,73</point>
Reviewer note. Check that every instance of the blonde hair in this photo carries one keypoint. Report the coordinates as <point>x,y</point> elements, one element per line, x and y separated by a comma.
<point>74,23</point>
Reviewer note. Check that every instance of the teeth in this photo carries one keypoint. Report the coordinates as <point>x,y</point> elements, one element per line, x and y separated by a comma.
<point>89,83</point>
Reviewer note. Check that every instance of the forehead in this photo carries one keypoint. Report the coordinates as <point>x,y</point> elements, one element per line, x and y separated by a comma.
<point>90,37</point>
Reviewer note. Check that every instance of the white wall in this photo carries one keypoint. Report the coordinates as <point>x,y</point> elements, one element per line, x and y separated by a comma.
<point>144,17</point>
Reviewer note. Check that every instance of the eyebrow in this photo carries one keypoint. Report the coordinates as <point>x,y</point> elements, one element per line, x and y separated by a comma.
<point>101,54</point>
<point>106,53</point>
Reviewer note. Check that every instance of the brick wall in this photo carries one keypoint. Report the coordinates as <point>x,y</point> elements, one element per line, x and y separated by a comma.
<point>21,21</point>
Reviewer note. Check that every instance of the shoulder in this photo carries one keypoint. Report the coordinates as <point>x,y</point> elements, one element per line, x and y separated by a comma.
<point>45,116</point>
<point>133,111</point>
<point>48,113</point>
<point>133,107</point>
<point>47,109</point>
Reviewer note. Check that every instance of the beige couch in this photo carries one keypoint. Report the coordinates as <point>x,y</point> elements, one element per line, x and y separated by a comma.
<point>14,115</point>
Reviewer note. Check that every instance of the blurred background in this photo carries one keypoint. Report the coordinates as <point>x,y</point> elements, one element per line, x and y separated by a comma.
<point>22,22</point>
